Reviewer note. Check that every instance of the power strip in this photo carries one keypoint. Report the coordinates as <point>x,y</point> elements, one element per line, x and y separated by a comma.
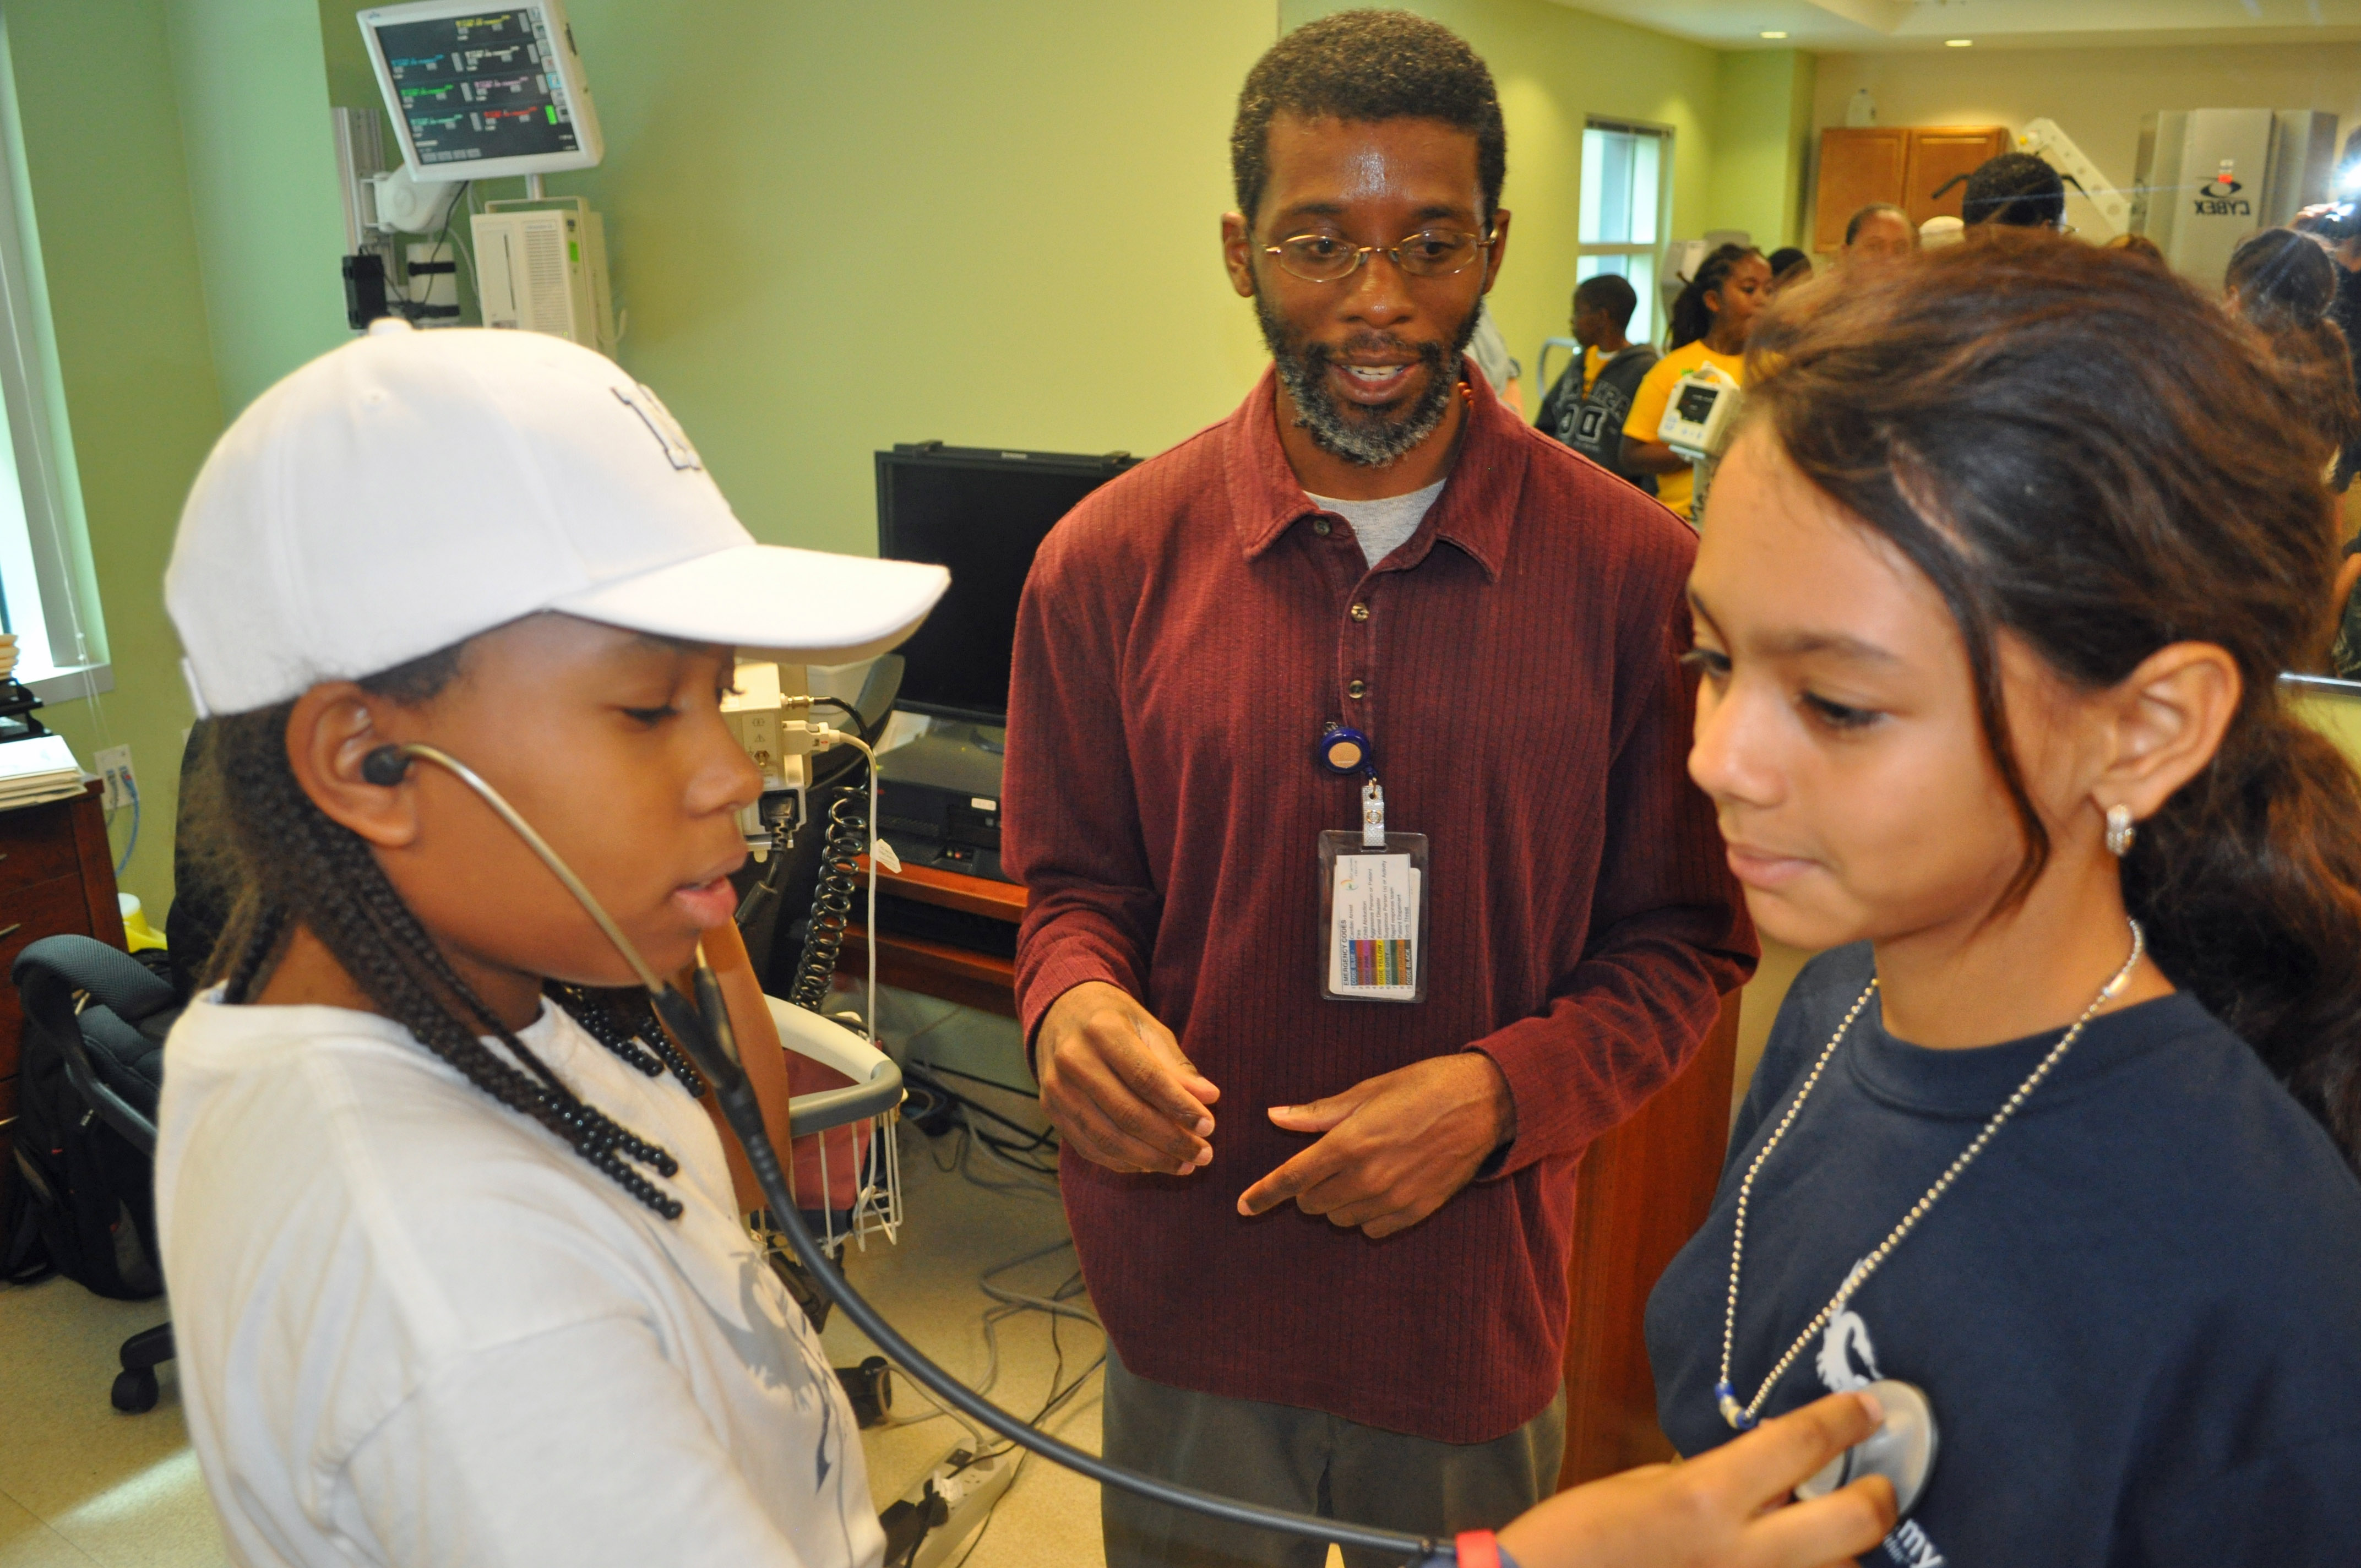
<point>953,1499</point>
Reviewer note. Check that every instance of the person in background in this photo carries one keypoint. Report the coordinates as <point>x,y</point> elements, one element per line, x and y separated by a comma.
<point>1992,607</point>
<point>2139,245</point>
<point>1878,232</point>
<point>2282,284</point>
<point>1489,349</point>
<point>1710,322</point>
<point>2016,191</point>
<point>1592,397</point>
<point>1789,266</point>
<point>1330,1238</point>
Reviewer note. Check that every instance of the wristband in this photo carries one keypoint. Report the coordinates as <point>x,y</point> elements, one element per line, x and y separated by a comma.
<point>1482,1548</point>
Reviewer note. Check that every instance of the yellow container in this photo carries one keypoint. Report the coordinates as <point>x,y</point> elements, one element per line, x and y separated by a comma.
<point>135,924</point>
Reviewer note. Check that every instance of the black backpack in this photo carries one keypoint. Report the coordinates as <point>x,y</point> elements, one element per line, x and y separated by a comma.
<point>84,1197</point>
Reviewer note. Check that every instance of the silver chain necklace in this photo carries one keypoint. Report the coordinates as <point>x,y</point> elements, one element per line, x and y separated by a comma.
<point>1724,1396</point>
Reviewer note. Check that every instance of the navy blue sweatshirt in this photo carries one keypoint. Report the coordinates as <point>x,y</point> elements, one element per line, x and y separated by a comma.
<point>2138,1314</point>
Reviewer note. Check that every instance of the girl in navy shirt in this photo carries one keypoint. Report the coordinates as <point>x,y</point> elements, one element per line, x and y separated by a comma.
<point>1992,599</point>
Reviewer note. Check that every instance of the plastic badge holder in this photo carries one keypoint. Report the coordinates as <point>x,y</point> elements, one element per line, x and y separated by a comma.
<point>1373,917</point>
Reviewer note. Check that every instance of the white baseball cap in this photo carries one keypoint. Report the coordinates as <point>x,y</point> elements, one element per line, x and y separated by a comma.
<point>412,489</point>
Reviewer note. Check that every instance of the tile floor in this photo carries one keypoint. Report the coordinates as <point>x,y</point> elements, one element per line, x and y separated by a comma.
<point>82,1486</point>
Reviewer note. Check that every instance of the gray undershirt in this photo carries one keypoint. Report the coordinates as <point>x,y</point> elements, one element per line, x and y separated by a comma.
<point>1382,526</point>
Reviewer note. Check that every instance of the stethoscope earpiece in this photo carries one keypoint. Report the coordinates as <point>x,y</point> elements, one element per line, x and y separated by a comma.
<point>386,766</point>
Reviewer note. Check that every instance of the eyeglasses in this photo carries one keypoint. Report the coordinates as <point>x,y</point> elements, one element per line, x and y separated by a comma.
<point>1430,253</point>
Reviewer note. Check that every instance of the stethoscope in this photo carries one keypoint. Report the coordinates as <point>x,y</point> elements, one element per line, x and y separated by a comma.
<point>703,1029</point>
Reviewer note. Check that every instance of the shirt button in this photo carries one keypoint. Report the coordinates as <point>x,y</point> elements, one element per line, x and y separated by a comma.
<point>1356,690</point>
<point>1320,525</point>
<point>1360,612</point>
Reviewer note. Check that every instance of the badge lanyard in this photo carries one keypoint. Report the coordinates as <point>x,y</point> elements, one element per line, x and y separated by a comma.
<point>1373,904</point>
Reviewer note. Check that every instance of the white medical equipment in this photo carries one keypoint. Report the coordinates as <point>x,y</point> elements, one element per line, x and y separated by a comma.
<point>2208,178</point>
<point>543,268</point>
<point>1701,413</point>
<point>479,92</point>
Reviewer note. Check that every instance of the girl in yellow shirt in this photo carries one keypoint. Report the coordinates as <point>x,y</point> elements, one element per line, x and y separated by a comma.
<point>1710,322</point>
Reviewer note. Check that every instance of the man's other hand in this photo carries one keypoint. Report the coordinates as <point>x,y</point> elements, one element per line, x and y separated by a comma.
<point>1115,1084</point>
<point>1394,1147</point>
<point>1721,1510</point>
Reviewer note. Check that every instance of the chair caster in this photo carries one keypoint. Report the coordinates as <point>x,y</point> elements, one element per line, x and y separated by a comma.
<point>135,1391</point>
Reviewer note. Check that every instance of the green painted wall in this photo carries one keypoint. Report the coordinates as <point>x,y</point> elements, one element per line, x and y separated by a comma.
<point>1762,124</point>
<point>835,227</point>
<point>117,247</point>
<point>261,174</point>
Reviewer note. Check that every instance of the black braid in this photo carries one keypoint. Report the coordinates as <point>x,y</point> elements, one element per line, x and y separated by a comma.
<point>297,867</point>
<point>624,1021</point>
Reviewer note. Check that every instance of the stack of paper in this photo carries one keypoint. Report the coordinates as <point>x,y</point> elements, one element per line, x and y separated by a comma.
<point>7,654</point>
<point>43,768</point>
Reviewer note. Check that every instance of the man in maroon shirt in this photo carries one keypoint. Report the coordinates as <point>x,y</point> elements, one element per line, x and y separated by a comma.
<point>1347,1291</point>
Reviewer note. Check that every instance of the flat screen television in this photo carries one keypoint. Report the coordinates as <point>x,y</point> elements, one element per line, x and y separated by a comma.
<point>981,511</point>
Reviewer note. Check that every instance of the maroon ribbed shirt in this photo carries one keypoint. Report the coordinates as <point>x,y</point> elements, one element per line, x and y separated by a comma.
<point>1186,633</point>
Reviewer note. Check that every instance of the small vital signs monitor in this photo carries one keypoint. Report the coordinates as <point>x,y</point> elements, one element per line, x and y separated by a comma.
<point>1700,412</point>
<point>483,92</point>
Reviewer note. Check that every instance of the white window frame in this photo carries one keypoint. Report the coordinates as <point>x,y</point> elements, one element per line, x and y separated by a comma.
<point>1651,303</point>
<point>44,550</point>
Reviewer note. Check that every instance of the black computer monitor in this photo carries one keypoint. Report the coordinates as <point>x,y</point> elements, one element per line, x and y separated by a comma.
<point>981,513</point>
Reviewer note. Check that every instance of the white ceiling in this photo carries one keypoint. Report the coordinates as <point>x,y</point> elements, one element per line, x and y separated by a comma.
<point>1848,25</point>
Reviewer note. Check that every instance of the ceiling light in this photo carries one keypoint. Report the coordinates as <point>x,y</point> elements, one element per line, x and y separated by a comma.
<point>1774,34</point>
<point>1959,43</point>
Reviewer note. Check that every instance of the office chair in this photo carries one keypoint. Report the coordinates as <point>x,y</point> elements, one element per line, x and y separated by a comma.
<point>114,1055</point>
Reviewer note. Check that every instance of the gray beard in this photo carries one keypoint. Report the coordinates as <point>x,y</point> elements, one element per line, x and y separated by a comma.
<point>1371,437</point>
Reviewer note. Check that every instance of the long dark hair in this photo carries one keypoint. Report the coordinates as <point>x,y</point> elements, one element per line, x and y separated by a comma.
<point>1692,317</point>
<point>2286,286</point>
<point>292,866</point>
<point>2081,452</point>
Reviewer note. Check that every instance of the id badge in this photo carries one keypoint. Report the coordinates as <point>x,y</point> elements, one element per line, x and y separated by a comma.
<point>1373,917</point>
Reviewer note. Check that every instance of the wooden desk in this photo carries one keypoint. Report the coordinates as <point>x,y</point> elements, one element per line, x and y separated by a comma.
<point>1645,1187</point>
<point>986,981</point>
<point>57,875</point>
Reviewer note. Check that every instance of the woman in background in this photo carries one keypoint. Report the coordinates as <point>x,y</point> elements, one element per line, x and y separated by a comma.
<point>1710,322</point>
<point>2283,284</point>
<point>2000,579</point>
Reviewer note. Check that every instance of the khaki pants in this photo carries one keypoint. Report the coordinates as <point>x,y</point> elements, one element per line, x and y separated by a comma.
<point>1307,1461</point>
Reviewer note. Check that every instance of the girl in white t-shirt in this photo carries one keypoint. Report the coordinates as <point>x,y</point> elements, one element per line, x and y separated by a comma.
<point>458,1276</point>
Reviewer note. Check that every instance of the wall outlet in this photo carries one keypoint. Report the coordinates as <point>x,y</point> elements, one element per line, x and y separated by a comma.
<point>114,767</point>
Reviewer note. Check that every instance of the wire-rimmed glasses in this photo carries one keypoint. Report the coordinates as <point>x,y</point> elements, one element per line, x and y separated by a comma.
<point>1429,253</point>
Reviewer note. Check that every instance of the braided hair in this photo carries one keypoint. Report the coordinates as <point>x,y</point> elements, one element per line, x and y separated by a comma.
<point>294,866</point>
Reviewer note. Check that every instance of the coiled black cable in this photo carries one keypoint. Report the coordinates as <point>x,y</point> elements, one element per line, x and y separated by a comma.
<point>831,907</point>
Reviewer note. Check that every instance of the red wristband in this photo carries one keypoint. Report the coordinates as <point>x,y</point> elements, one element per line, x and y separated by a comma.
<point>1478,1549</point>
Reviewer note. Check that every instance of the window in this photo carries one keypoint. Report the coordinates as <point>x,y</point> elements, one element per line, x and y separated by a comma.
<point>59,650</point>
<point>1624,169</point>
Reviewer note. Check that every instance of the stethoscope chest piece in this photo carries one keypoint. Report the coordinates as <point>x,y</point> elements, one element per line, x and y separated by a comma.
<point>1903,1450</point>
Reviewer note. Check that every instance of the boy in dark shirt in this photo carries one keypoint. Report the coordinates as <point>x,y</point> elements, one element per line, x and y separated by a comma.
<point>1587,408</point>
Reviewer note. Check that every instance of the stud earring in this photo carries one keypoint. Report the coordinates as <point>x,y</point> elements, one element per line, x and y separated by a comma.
<point>2120,832</point>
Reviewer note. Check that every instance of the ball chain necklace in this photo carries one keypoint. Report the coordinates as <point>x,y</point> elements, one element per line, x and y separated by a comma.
<point>1726,1396</point>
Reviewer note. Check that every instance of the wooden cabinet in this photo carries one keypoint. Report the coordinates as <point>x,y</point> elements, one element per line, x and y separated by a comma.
<point>1904,165</point>
<point>57,874</point>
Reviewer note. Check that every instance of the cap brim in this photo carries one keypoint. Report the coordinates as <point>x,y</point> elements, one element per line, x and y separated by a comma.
<point>800,606</point>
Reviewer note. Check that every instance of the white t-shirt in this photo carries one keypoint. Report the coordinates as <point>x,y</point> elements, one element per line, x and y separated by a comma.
<point>1384,526</point>
<point>415,1328</point>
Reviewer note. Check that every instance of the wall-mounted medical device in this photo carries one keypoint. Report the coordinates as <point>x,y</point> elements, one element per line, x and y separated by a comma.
<point>543,268</point>
<point>2208,178</point>
<point>1701,413</point>
<point>480,93</point>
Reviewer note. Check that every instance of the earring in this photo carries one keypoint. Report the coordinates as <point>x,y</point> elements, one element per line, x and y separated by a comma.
<point>2120,832</point>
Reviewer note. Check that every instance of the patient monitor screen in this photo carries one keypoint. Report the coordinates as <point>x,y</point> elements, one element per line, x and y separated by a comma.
<point>479,86</point>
